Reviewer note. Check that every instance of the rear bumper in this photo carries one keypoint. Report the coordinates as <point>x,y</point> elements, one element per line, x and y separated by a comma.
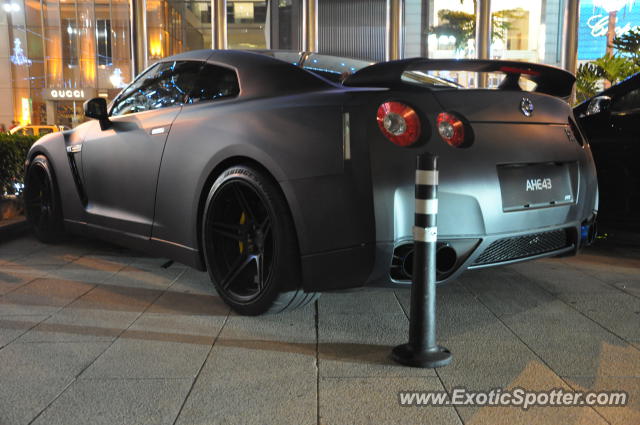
<point>472,216</point>
<point>372,264</point>
<point>488,251</point>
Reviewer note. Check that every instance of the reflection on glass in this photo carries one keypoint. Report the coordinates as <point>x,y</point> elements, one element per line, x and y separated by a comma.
<point>67,45</point>
<point>103,33</point>
<point>177,26</point>
<point>521,29</point>
<point>527,30</point>
<point>246,24</point>
<point>521,33</point>
<point>166,84</point>
<point>451,30</point>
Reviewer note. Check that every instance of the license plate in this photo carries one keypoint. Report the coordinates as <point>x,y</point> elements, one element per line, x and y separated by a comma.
<point>535,186</point>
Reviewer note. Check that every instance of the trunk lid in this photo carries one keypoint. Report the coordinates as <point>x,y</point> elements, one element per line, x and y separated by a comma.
<point>484,105</point>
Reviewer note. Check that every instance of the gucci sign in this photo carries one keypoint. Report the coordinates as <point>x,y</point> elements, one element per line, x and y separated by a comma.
<point>69,94</point>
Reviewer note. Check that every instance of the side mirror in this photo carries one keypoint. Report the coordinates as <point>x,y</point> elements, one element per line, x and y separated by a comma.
<point>598,105</point>
<point>97,108</point>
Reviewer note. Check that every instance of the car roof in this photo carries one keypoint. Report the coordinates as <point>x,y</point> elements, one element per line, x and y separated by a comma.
<point>259,75</point>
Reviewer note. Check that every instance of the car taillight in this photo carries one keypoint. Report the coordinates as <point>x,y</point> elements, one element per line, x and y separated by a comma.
<point>399,123</point>
<point>451,129</point>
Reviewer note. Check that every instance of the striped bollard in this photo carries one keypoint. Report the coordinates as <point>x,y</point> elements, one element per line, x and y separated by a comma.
<point>422,349</point>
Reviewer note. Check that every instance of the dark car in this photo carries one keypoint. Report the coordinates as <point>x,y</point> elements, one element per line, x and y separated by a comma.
<point>285,174</point>
<point>611,122</point>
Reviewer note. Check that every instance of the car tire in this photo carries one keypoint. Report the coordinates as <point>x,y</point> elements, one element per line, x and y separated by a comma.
<point>250,245</point>
<point>42,201</point>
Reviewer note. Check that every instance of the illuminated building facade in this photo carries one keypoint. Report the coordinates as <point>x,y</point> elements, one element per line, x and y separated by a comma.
<point>54,54</point>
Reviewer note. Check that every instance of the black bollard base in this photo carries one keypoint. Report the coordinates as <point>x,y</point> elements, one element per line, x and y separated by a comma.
<point>406,355</point>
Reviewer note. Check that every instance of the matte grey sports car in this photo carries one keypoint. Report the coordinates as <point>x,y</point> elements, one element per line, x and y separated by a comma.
<point>284,174</point>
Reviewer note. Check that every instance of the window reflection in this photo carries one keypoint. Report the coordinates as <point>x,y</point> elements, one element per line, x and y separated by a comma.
<point>103,34</point>
<point>263,24</point>
<point>166,84</point>
<point>177,26</point>
<point>528,30</point>
<point>71,46</point>
<point>246,24</point>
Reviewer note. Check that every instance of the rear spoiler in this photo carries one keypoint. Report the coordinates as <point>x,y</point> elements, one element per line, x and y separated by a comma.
<point>549,79</point>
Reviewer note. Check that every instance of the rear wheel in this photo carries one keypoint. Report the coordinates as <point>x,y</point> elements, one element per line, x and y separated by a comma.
<point>250,246</point>
<point>42,203</point>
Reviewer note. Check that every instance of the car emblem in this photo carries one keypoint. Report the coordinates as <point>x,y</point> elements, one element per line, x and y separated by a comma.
<point>526,106</point>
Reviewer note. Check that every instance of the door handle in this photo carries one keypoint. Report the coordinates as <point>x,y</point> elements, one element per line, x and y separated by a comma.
<point>157,130</point>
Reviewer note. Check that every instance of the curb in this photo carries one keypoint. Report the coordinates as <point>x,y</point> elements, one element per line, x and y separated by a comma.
<point>13,230</point>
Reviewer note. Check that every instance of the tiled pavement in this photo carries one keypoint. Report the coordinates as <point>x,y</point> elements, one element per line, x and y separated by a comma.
<point>94,334</point>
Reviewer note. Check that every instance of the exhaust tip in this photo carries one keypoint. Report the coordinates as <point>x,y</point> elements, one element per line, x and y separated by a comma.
<point>446,260</point>
<point>407,264</point>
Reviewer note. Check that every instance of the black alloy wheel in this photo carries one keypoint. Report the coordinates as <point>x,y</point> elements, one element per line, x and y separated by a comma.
<point>243,240</point>
<point>249,244</point>
<point>42,205</point>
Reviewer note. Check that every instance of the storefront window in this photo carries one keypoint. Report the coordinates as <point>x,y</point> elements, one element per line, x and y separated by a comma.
<point>528,30</point>
<point>263,24</point>
<point>63,53</point>
<point>451,29</point>
<point>103,34</point>
<point>246,24</point>
<point>519,30</point>
<point>177,26</point>
<point>285,25</point>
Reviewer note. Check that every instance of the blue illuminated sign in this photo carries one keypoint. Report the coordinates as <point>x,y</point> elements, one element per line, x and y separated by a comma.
<point>594,23</point>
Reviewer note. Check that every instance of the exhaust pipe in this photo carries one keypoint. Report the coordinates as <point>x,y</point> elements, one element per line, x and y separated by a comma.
<point>446,258</point>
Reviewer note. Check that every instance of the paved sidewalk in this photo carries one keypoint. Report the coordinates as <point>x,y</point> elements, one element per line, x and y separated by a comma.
<point>94,334</point>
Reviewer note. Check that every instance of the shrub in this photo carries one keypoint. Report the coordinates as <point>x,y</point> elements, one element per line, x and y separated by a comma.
<point>13,152</point>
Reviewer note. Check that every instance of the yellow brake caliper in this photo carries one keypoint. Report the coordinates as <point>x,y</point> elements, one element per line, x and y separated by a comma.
<point>243,219</point>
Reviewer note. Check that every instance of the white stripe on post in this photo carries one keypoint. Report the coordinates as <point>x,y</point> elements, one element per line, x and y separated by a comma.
<point>426,206</point>
<point>427,177</point>
<point>425,234</point>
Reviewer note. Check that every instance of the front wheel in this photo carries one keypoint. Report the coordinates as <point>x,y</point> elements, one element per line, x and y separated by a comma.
<point>42,203</point>
<point>250,246</point>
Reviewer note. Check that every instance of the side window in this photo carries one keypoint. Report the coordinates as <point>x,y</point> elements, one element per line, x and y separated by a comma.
<point>164,85</point>
<point>628,102</point>
<point>215,82</point>
<point>44,130</point>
